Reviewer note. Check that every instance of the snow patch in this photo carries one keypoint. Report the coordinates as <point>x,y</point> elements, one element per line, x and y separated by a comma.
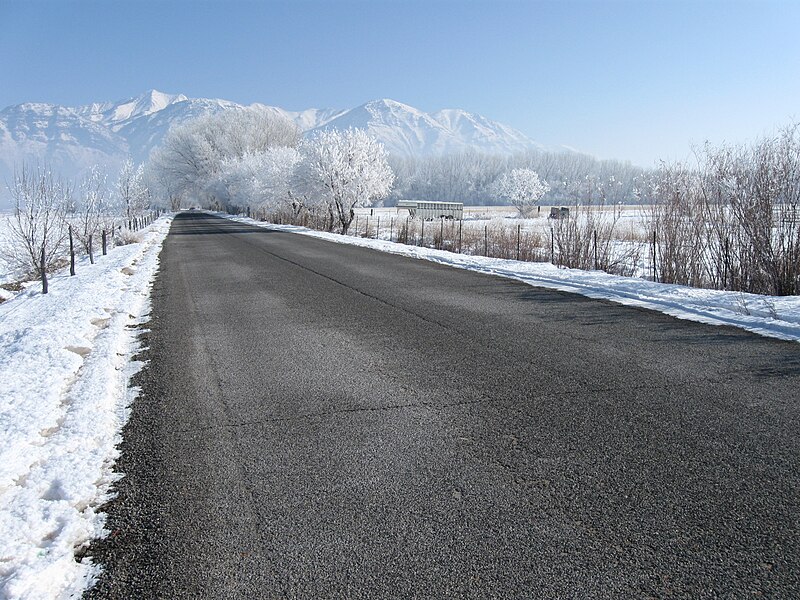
<point>65,370</point>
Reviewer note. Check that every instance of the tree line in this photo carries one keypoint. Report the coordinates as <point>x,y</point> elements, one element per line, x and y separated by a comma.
<point>257,158</point>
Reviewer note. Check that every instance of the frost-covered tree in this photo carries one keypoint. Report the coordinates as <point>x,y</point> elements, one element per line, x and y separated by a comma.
<point>165,192</point>
<point>350,168</point>
<point>192,157</point>
<point>523,188</point>
<point>262,179</point>
<point>94,208</point>
<point>132,190</point>
<point>37,229</point>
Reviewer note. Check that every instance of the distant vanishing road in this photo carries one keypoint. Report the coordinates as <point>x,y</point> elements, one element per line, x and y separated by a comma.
<point>324,421</point>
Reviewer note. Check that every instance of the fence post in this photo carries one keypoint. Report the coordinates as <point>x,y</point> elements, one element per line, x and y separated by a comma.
<point>518,231</point>
<point>378,229</point>
<point>405,241</point>
<point>366,228</point>
<point>44,272</point>
<point>391,228</point>
<point>654,255</point>
<point>594,236</point>
<point>71,254</point>
<point>459,236</point>
<point>91,252</point>
<point>725,266</point>
<point>356,233</point>
<point>486,240</point>
<point>105,242</point>
<point>441,233</point>
<point>422,235</point>
<point>552,246</point>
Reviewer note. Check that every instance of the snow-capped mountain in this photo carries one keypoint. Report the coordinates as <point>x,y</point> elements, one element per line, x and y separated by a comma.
<point>57,136</point>
<point>73,139</point>
<point>483,133</point>
<point>310,118</point>
<point>405,130</point>
<point>116,115</point>
<point>70,140</point>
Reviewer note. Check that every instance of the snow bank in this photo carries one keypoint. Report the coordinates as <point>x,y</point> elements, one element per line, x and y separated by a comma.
<point>64,370</point>
<point>772,316</point>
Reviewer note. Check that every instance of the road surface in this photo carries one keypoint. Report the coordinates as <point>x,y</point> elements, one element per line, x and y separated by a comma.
<point>319,420</point>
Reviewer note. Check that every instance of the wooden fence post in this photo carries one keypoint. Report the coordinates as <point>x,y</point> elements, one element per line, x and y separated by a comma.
<point>43,266</point>
<point>91,251</point>
<point>654,255</point>
<point>725,266</point>
<point>486,240</point>
<point>105,242</point>
<point>71,254</point>
<point>518,231</point>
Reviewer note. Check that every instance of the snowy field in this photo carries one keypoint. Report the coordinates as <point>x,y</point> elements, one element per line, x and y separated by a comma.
<point>65,367</point>
<point>772,316</point>
<point>623,240</point>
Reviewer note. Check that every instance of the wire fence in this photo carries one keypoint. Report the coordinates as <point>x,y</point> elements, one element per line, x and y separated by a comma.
<point>77,242</point>
<point>588,238</point>
<point>564,242</point>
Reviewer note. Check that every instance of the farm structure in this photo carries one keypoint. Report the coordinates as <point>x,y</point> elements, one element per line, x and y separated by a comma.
<point>432,210</point>
<point>559,213</point>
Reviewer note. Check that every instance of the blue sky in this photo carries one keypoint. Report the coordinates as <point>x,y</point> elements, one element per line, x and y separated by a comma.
<point>636,81</point>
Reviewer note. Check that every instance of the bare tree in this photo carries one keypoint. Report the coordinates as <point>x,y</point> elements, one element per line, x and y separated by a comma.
<point>38,227</point>
<point>733,221</point>
<point>132,190</point>
<point>93,210</point>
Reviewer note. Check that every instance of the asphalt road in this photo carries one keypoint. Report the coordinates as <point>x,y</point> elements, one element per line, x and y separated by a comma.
<point>319,421</point>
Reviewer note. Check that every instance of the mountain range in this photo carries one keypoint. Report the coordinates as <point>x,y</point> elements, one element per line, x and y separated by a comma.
<point>71,139</point>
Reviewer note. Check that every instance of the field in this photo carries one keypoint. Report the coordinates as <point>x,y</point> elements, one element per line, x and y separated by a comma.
<point>611,238</point>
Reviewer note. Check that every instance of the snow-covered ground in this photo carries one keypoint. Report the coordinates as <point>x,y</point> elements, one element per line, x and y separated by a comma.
<point>495,229</point>
<point>64,369</point>
<point>773,316</point>
<point>8,273</point>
